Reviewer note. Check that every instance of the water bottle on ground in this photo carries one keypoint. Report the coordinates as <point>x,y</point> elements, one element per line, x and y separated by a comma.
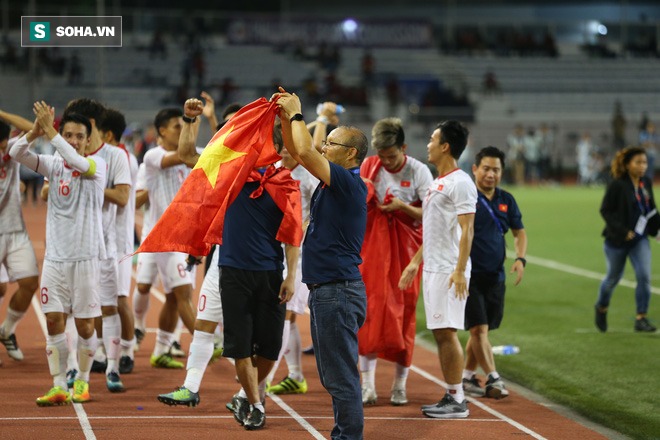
<point>506,349</point>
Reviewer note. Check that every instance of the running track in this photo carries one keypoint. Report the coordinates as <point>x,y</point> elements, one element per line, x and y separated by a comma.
<point>136,414</point>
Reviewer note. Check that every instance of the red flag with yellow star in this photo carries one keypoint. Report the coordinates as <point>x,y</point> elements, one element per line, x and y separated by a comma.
<point>195,218</point>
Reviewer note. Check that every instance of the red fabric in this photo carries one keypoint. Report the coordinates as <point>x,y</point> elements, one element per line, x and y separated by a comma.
<point>390,242</point>
<point>195,218</point>
<point>285,192</point>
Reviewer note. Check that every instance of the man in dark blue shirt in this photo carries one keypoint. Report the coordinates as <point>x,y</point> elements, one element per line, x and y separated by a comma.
<point>497,212</point>
<point>331,256</point>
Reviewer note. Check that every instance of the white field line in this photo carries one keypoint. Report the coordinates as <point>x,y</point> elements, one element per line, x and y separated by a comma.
<point>551,264</point>
<point>80,411</point>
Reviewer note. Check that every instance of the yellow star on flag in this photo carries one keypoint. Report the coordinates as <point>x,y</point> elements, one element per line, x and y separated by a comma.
<point>215,155</point>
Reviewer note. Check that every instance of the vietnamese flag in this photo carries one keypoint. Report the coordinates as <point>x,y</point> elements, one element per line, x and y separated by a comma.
<point>195,218</point>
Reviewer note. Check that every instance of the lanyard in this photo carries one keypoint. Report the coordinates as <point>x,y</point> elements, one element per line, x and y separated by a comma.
<point>492,214</point>
<point>643,208</point>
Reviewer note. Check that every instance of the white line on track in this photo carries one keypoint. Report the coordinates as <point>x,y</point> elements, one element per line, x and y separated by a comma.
<point>401,419</point>
<point>80,411</point>
<point>425,374</point>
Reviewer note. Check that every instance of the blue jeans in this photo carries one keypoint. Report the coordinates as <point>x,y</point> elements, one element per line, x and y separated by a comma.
<point>338,311</point>
<point>640,258</point>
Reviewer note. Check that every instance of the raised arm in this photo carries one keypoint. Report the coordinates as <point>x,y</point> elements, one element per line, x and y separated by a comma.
<point>20,149</point>
<point>189,132</point>
<point>209,111</point>
<point>300,146</point>
<point>17,121</point>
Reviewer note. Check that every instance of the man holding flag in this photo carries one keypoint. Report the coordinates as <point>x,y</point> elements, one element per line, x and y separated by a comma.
<point>234,196</point>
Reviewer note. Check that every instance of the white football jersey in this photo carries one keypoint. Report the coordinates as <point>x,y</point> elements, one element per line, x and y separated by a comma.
<point>141,184</point>
<point>74,229</point>
<point>162,183</point>
<point>409,184</point>
<point>308,184</point>
<point>448,197</point>
<point>118,173</point>
<point>126,214</point>
<point>11,215</point>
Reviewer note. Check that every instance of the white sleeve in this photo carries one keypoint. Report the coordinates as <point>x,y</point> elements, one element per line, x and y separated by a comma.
<point>464,196</point>
<point>141,183</point>
<point>70,155</point>
<point>122,171</point>
<point>424,180</point>
<point>154,158</point>
<point>20,151</point>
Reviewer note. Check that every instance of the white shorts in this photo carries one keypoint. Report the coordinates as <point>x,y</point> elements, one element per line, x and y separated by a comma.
<point>124,274</point>
<point>71,287</point>
<point>443,309</point>
<point>209,305</point>
<point>172,270</point>
<point>298,303</point>
<point>17,255</point>
<point>4,278</point>
<point>146,269</point>
<point>108,282</point>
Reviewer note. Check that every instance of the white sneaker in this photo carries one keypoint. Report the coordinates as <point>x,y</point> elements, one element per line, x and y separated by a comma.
<point>398,397</point>
<point>12,346</point>
<point>368,395</point>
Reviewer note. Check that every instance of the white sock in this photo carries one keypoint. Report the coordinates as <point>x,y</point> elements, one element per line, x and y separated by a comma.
<point>494,374</point>
<point>262,391</point>
<point>201,350</point>
<point>99,354</point>
<point>260,406</point>
<point>178,330</point>
<point>467,374</point>
<point>218,335</point>
<point>242,393</point>
<point>456,391</point>
<point>57,354</point>
<point>163,342</point>
<point>140,308</point>
<point>86,349</point>
<point>72,344</point>
<point>285,343</point>
<point>111,339</point>
<point>400,377</point>
<point>128,348</point>
<point>368,369</point>
<point>293,355</point>
<point>11,320</point>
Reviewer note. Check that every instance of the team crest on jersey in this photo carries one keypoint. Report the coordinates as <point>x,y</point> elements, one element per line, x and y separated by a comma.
<point>405,183</point>
<point>76,173</point>
<point>503,207</point>
<point>440,187</point>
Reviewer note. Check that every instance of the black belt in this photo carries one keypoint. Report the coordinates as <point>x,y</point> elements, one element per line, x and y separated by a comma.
<point>317,285</point>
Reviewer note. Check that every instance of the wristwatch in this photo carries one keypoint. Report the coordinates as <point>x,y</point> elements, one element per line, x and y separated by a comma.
<point>296,117</point>
<point>189,120</point>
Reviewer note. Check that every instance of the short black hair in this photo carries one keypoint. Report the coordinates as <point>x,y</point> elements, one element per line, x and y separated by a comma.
<point>89,108</point>
<point>455,134</point>
<point>164,116</point>
<point>77,119</point>
<point>489,151</point>
<point>5,129</point>
<point>387,133</point>
<point>114,122</point>
<point>231,108</point>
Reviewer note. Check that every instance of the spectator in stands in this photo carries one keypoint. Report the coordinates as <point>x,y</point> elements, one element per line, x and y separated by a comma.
<point>546,151</point>
<point>532,156</point>
<point>490,84</point>
<point>75,70</point>
<point>227,90</point>
<point>619,126</point>
<point>157,46</point>
<point>649,140</point>
<point>199,67</point>
<point>368,66</point>
<point>587,159</point>
<point>393,93</point>
<point>516,151</point>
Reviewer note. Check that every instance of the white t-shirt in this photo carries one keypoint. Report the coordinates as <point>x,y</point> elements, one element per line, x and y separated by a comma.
<point>11,215</point>
<point>448,197</point>
<point>409,184</point>
<point>308,184</point>
<point>162,183</point>
<point>74,231</point>
<point>118,174</point>
<point>126,214</point>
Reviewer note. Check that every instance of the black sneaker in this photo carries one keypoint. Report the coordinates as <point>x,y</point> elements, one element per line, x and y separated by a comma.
<point>255,419</point>
<point>126,365</point>
<point>241,408</point>
<point>99,367</point>
<point>601,319</point>
<point>643,325</point>
<point>495,388</point>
